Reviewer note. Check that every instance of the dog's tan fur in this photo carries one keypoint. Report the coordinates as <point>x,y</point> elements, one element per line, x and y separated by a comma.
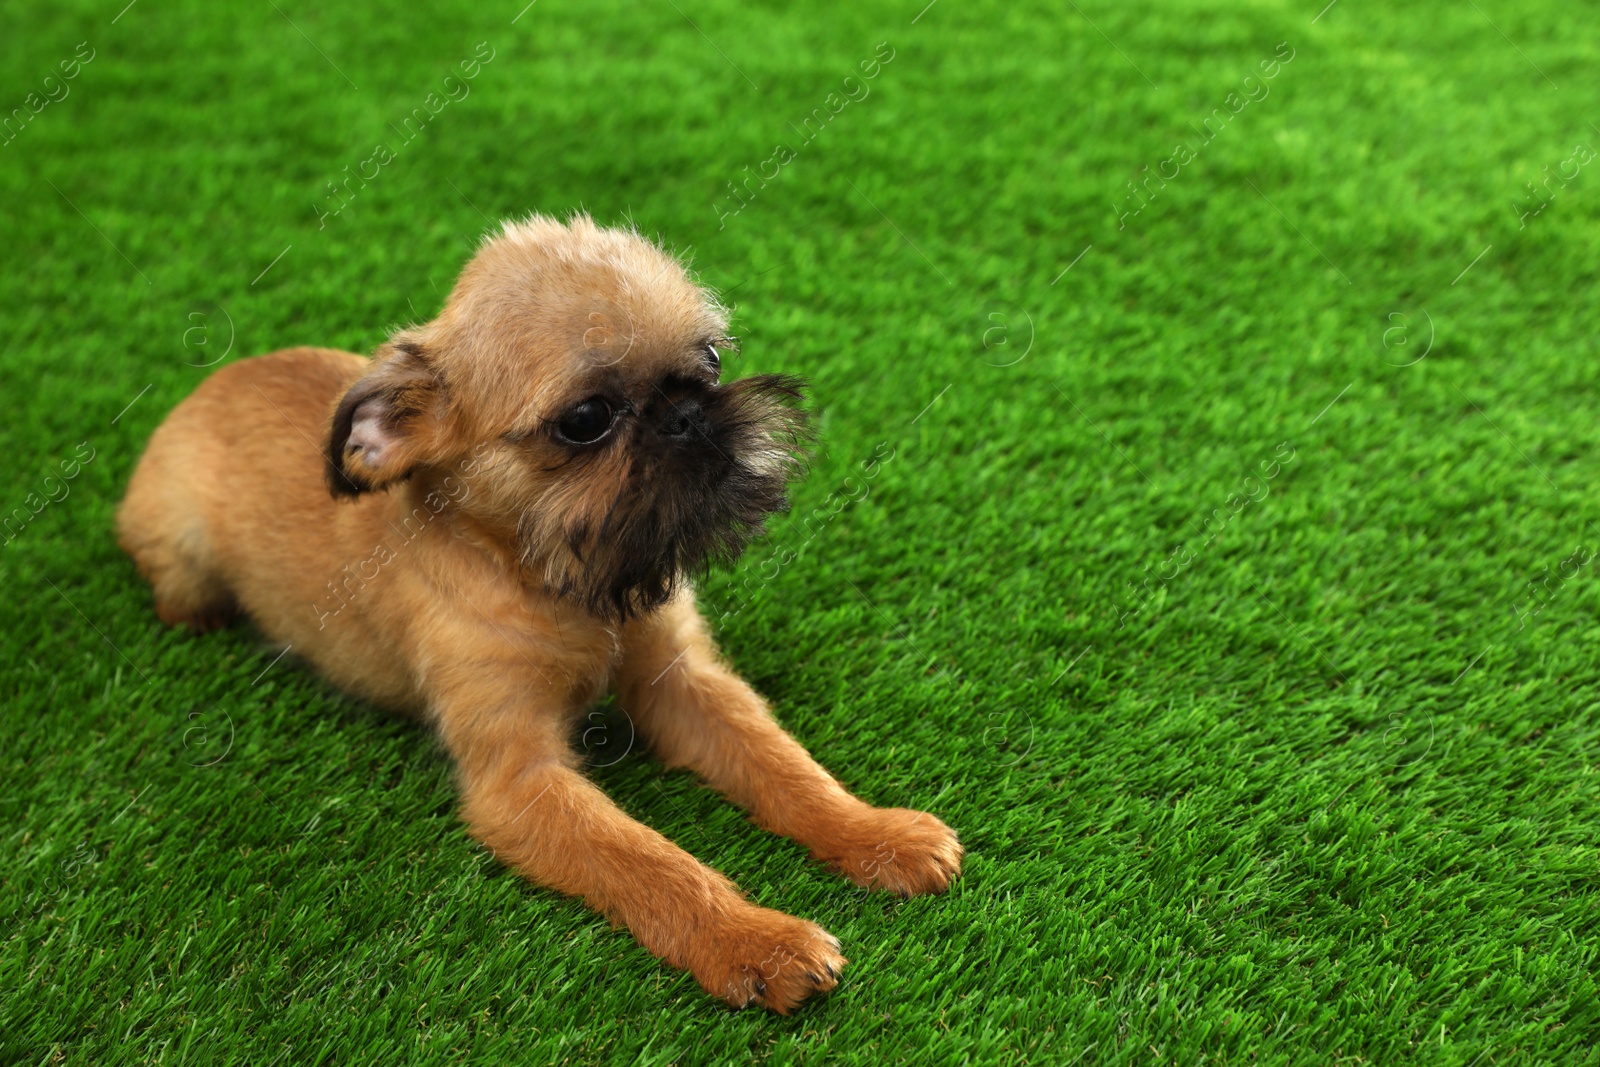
<point>410,527</point>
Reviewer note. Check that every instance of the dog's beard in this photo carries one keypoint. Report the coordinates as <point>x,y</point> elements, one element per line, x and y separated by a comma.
<point>654,513</point>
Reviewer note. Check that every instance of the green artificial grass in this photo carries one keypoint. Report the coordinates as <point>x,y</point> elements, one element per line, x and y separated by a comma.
<point>1227,577</point>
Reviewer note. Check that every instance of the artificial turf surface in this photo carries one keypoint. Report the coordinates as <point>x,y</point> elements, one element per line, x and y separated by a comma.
<point>1229,591</point>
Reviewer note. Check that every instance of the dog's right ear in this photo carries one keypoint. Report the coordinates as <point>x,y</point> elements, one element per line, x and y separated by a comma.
<point>389,423</point>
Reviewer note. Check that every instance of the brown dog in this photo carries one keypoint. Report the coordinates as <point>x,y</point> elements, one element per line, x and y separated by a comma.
<point>488,525</point>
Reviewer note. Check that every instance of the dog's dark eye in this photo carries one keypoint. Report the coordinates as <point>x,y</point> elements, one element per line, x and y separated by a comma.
<point>713,360</point>
<point>586,423</point>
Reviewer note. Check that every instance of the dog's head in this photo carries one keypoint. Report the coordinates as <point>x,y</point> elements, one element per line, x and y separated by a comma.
<point>572,383</point>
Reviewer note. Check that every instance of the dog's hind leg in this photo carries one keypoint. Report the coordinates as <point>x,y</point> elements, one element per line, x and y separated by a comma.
<point>159,524</point>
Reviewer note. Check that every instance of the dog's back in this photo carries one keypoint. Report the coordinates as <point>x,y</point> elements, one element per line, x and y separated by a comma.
<point>238,468</point>
<point>198,475</point>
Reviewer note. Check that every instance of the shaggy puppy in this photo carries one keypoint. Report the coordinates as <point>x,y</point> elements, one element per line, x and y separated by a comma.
<point>489,525</point>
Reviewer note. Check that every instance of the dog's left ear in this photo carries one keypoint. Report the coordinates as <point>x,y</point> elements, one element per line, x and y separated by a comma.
<point>389,423</point>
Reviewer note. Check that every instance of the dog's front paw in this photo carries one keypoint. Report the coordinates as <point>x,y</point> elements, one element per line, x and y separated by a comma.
<point>906,852</point>
<point>768,958</point>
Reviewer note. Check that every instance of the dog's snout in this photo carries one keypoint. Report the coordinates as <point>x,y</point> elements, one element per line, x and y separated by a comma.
<point>683,418</point>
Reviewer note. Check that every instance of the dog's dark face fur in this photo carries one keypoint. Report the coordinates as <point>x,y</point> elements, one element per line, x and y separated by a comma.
<point>573,383</point>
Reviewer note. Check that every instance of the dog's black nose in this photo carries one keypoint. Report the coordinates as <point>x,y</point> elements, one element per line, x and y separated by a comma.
<point>684,418</point>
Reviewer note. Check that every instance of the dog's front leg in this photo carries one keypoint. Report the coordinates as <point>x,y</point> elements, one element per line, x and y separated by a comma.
<point>522,798</point>
<point>696,713</point>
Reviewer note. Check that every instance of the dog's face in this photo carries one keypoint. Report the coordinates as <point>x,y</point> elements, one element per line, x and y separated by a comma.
<point>572,387</point>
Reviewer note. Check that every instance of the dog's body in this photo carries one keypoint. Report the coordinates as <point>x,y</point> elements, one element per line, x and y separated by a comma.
<point>499,569</point>
<point>229,510</point>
